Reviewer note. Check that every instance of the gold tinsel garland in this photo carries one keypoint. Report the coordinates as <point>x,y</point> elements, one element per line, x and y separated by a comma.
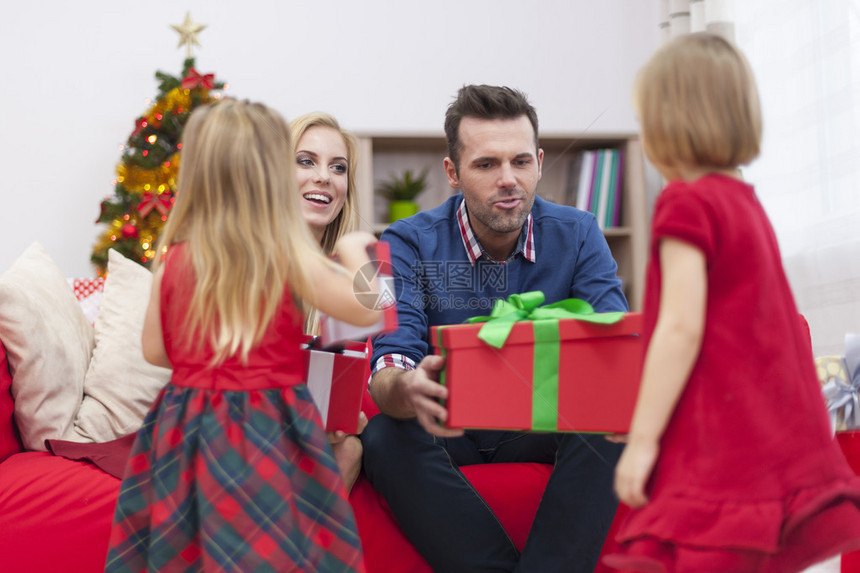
<point>176,100</point>
<point>139,180</point>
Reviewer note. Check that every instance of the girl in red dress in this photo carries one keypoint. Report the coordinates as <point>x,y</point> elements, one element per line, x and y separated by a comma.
<point>730,464</point>
<point>232,469</point>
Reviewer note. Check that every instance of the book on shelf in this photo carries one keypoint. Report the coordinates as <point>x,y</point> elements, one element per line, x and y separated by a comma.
<point>583,195</point>
<point>599,185</point>
<point>604,183</point>
<point>596,184</point>
<point>614,216</point>
<point>571,185</point>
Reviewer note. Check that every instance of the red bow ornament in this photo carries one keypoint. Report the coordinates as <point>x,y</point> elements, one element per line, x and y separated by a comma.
<point>159,201</point>
<point>139,124</point>
<point>194,79</point>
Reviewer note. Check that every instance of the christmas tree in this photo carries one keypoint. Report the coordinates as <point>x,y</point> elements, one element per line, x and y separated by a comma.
<point>146,176</point>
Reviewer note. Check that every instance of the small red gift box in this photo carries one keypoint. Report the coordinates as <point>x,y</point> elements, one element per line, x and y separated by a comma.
<point>597,368</point>
<point>336,380</point>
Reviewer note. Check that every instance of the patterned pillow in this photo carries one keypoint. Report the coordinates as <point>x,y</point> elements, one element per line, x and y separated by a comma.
<point>49,343</point>
<point>89,293</point>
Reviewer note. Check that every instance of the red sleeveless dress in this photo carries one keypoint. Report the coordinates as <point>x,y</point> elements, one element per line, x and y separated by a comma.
<point>232,470</point>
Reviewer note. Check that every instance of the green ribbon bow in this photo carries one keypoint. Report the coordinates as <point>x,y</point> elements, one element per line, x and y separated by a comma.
<point>526,306</point>
<point>544,319</point>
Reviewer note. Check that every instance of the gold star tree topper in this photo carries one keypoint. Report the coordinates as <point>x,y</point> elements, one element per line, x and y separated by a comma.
<point>188,33</point>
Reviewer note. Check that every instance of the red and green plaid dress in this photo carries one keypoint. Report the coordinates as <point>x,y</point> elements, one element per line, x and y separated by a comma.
<point>232,470</point>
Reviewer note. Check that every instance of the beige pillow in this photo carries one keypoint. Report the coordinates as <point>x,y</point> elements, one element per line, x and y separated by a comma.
<point>49,343</point>
<point>120,385</point>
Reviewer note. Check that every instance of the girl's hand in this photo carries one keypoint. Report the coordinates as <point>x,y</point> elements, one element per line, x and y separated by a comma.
<point>334,290</point>
<point>633,470</point>
<point>355,241</point>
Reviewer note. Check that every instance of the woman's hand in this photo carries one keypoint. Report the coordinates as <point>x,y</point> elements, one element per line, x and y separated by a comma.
<point>339,435</point>
<point>347,452</point>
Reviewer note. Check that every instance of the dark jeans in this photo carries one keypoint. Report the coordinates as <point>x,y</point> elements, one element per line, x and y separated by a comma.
<point>454,529</point>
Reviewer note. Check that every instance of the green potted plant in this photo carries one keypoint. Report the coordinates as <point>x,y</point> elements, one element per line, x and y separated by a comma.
<point>401,193</point>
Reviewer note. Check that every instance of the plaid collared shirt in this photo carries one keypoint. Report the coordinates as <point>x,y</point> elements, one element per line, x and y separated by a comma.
<point>525,246</point>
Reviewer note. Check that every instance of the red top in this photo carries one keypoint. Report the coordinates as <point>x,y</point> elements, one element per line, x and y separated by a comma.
<point>276,361</point>
<point>748,453</point>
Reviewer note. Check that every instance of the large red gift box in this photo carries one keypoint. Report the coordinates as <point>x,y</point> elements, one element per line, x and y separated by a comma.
<point>336,380</point>
<point>598,370</point>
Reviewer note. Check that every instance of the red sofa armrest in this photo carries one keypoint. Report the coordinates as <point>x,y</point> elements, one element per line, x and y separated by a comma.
<point>55,514</point>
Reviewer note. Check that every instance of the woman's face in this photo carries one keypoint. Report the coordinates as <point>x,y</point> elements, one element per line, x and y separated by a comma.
<point>322,170</point>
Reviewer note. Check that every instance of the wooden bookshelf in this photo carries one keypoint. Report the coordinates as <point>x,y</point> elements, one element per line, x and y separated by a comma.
<point>384,154</point>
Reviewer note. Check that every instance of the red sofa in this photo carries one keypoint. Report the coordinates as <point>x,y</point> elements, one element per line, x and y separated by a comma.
<point>56,513</point>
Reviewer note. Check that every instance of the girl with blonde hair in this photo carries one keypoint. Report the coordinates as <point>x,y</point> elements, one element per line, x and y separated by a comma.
<point>730,464</point>
<point>232,469</point>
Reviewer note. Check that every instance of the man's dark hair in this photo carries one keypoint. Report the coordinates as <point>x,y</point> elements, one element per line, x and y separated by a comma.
<point>485,102</point>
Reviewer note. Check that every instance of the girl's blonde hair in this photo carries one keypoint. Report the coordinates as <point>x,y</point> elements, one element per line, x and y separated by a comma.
<point>347,219</point>
<point>698,104</point>
<point>237,208</point>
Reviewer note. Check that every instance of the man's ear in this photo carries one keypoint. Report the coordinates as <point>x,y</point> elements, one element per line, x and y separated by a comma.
<point>451,172</point>
<point>540,163</point>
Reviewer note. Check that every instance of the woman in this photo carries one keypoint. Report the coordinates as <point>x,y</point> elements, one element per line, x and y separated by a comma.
<point>325,157</point>
<point>325,169</point>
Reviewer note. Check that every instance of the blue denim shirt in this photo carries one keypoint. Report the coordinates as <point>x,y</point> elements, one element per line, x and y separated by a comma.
<point>437,283</point>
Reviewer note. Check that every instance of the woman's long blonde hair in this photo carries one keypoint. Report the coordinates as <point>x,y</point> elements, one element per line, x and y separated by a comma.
<point>237,208</point>
<point>347,219</point>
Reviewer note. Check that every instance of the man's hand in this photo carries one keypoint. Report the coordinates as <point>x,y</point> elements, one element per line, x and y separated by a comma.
<point>617,438</point>
<point>423,391</point>
<point>407,394</point>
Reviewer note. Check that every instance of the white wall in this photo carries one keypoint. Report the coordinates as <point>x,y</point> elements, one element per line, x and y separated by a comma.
<point>75,76</point>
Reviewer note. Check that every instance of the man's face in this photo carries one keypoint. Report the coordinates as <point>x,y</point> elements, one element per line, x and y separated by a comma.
<point>499,171</point>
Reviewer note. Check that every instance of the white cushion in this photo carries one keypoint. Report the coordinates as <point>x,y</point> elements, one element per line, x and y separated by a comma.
<point>49,342</point>
<point>120,385</point>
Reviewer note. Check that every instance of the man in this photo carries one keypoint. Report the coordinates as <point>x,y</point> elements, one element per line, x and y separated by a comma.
<point>493,239</point>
